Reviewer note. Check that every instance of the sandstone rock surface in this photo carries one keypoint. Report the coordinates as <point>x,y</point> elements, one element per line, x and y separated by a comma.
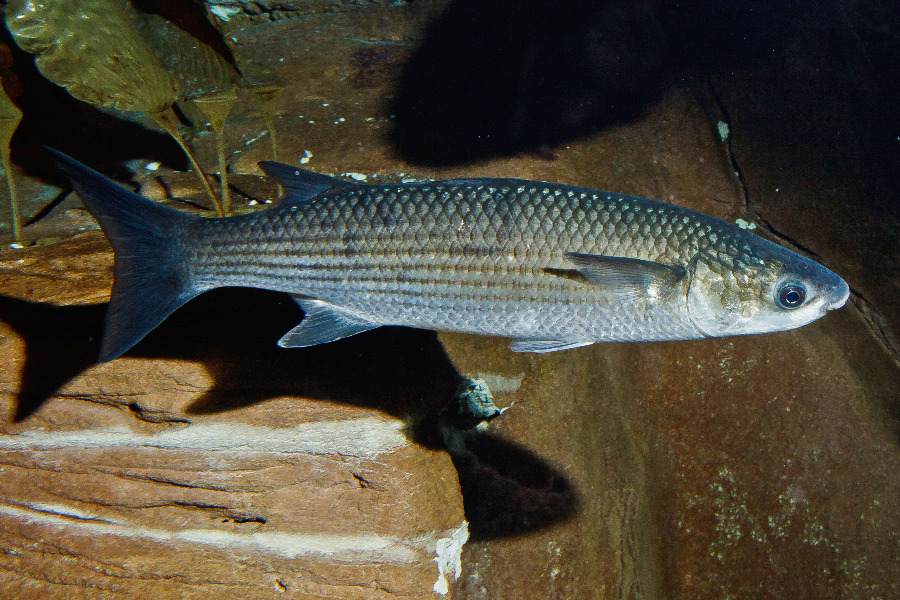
<point>154,476</point>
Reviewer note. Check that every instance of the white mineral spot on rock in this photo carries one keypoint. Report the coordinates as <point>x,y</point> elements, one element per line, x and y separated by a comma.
<point>355,437</point>
<point>65,511</point>
<point>224,12</point>
<point>254,138</point>
<point>449,559</point>
<point>152,166</point>
<point>500,384</point>
<point>356,176</point>
<point>722,126</point>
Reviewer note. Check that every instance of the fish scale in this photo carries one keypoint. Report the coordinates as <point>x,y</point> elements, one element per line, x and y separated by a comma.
<point>470,275</point>
<point>551,265</point>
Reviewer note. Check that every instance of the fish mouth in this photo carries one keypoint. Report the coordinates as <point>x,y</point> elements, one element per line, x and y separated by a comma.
<point>839,297</point>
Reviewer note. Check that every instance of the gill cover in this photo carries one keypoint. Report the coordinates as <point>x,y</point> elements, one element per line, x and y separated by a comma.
<point>711,309</point>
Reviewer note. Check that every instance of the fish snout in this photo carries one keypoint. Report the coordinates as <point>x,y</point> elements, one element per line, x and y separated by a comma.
<point>838,296</point>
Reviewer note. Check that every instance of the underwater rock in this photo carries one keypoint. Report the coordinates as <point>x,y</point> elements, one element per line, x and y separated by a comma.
<point>157,474</point>
<point>475,400</point>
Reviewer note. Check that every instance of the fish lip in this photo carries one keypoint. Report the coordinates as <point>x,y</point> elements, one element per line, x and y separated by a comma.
<point>842,299</point>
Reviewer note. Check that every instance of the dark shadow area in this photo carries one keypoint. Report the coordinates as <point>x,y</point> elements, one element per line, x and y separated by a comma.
<point>498,77</point>
<point>507,490</point>
<point>233,333</point>
<point>60,343</point>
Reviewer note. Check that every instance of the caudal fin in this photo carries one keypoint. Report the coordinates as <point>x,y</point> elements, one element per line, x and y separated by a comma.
<point>151,280</point>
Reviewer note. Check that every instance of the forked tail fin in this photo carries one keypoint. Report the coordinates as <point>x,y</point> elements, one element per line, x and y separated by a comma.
<point>151,279</point>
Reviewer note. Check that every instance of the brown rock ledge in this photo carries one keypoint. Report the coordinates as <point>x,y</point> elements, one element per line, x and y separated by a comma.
<point>144,478</point>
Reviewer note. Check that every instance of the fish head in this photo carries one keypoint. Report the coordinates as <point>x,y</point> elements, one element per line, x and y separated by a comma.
<point>751,285</point>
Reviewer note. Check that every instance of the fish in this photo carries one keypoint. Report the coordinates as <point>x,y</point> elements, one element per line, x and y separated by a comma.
<point>551,266</point>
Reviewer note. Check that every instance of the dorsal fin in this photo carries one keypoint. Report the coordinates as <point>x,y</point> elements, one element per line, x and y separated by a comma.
<point>299,184</point>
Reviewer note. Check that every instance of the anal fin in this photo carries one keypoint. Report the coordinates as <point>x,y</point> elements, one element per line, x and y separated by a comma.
<point>322,323</point>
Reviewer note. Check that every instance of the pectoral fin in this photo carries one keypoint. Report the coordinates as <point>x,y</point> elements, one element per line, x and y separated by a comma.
<point>322,323</point>
<point>632,277</point>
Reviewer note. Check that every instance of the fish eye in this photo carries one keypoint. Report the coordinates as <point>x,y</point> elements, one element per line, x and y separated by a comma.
<point>791,296</point>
